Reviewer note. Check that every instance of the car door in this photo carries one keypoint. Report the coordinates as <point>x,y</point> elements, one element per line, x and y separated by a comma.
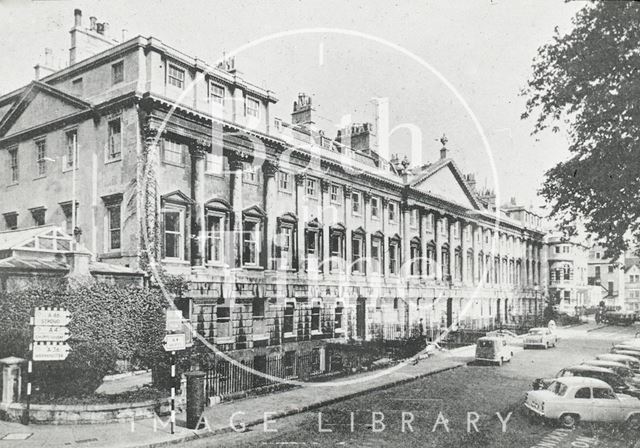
<point>606,406</point>
<point>582,404</point>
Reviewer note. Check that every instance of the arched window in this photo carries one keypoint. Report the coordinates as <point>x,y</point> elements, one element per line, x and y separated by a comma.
<point>444,261</point>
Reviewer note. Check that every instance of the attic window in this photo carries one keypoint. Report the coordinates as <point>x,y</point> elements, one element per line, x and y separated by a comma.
<point>117,72</point>
<point>176,77</point>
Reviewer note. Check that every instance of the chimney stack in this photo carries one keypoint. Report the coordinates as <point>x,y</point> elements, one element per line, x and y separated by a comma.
<point>302,112</point>
<point>86,42</point>
<point>358,136</point>
<point>44,69</point>
<point>78,17</point>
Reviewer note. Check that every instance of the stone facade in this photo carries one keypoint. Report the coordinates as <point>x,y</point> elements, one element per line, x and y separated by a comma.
<point>288,238</point>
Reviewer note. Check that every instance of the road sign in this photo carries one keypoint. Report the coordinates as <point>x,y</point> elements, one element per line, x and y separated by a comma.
<point>174,320</point>
<point>52,351</point>
<point>50,333</point>
<point>173,342</point>
<point>51,316</point>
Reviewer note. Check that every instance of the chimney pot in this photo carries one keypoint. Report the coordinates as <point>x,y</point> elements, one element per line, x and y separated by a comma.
<point>443,153</point>
<point>77,14</point>
<point>92,23</point>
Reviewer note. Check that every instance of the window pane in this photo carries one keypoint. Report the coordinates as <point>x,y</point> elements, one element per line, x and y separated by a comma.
<point>172,221</point>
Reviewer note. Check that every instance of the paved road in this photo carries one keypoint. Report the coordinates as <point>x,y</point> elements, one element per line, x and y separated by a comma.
<point>444,410</point>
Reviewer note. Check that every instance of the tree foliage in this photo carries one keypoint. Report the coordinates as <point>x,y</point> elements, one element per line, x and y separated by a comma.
<point>589,80</point>
<point>108,323</point>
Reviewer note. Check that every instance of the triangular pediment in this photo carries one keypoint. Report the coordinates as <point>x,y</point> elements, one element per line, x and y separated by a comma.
<point>40,104</point>
<point>445,182</point>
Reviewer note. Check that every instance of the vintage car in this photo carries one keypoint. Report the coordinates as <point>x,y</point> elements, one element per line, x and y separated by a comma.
<point>540,337</point>
<point>607,375</point>
<point>619,318</point>
<point>622,370</point>
<point>510,336</point>
<point>627,347</point>
<point>573,399</point>
<point>632,353</point>
<point>632,362</point>
<point>494,350</point>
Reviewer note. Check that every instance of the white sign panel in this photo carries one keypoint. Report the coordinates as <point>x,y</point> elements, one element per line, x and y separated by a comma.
<point>51,317</point>
<point>174,320</point>
<point>50,352</point>
<point>173,342</point>
<point>49,333</point>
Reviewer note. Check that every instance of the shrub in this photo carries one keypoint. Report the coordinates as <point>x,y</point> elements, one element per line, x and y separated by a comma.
<point>109,322</point>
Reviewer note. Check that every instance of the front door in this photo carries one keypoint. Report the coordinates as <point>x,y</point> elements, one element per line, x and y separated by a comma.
<point>361,315</point>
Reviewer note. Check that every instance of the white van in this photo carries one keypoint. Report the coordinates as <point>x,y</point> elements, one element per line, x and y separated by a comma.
<point>493,349</point>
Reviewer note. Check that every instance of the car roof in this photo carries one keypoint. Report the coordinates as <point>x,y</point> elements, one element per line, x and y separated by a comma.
<point>588,368</point>
<point>489,338</point>
<point>614,356</point>
<point>573,381</point>
<point>604,363</point>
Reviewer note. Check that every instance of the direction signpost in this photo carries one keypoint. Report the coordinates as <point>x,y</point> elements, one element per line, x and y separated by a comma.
<point>48,333</point>
<point>174,340</point>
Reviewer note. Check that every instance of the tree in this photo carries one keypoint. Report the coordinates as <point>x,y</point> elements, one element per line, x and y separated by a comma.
<point>589,79</point>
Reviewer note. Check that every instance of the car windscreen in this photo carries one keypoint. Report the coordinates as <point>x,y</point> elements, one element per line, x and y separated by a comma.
<point>536,332</point>
<point>558,388</point>
<point>485,344</point>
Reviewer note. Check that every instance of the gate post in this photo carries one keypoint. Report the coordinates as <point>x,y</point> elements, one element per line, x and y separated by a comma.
<point>195,398</point>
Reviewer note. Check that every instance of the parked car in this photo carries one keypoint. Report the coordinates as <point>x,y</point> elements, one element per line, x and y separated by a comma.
<point>607,375</point>
<point>510,336</point>
<point>632,353</point>
<point>632,362</point>
<point>628,347</point>
<point>574,399</point>
<point>493,349</point>
<point>540,337</point>
<point>622,370</point>
<point>619,318</point>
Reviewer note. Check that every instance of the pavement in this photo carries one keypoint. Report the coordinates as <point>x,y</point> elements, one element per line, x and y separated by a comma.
<point>216,419</point>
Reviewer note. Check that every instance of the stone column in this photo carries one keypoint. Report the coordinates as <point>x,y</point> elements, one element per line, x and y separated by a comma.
<point>529,262</point>
<point>466,229</point>
<point>348,227</point>
<point>301,212</point>
<point>423,242</point>
<point>269,169</point>
<point>366,197</point>
<point>150,238</point>
<point>452,249</point>
<point>326,204</point>
<point>384,271</point>
<point>405,266</point>
<point>439,241</point>
<point>476,252</point>
<point>235,167</point>
<point>198,151</point>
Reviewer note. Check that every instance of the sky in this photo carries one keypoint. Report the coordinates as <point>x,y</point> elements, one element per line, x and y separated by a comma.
<point>428,57</point>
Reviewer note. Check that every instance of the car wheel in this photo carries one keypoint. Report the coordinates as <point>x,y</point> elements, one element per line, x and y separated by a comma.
<point>633,422</point>
<point>569,420</point>
<point>500,361</point>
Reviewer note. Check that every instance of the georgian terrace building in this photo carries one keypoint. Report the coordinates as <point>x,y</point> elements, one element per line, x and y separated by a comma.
<point>288,238</point>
